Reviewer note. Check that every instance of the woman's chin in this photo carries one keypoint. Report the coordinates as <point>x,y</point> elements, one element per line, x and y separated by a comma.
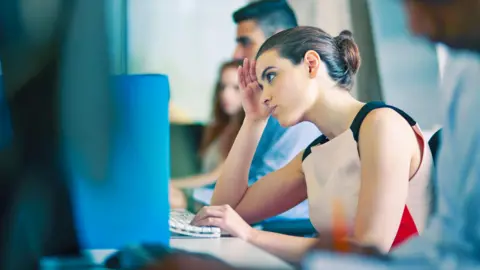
<point>285,122</point>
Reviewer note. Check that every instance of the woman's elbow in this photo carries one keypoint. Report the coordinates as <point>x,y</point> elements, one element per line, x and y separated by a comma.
<point>382,243</point>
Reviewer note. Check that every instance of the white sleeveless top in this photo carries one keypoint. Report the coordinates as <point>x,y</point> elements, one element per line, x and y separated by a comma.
<point>332,172</point>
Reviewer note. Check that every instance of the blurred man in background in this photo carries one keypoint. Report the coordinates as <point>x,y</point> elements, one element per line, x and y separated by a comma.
<point>453,234</point>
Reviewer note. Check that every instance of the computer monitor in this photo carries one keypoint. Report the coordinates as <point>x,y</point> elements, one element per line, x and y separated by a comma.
<point>131,206</point>
<point>121,123</point>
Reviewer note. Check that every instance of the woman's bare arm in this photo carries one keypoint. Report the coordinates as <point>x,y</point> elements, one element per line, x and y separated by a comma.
<point>387,144</point>
<point>274,193</point>
<point>233,182</point>
<point>287,247</point>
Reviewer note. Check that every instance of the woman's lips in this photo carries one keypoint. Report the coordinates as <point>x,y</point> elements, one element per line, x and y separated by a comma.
<point>273,110</point>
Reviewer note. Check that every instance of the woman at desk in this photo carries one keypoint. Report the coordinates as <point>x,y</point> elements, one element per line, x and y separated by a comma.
<point>372,160</point>
<point>219,135</point>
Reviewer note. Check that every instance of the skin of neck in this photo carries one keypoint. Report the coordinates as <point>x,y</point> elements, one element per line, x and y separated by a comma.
<point>333,111</point>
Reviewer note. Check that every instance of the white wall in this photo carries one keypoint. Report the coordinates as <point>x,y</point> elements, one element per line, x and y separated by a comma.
<point>408,66</point>
<point>442,54</point>
<point>397,67</point>
<point>116,32</point>
<point>188,39</point>
<point>185,39</point>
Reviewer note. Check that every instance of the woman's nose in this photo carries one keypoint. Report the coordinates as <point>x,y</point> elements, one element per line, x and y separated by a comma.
<point>265,96</point>
<point>266,101</point>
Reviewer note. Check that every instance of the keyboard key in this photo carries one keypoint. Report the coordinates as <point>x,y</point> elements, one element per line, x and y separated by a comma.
<point>180,224</point>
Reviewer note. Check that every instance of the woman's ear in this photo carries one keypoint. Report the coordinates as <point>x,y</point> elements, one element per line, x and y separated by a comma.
<point>313,63</point>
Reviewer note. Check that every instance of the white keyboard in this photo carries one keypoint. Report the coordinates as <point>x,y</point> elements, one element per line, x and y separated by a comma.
<point>180,223</point>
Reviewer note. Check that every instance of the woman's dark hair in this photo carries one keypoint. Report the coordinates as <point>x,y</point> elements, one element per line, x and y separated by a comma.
<point>340,53</point>
<point>221,120</point>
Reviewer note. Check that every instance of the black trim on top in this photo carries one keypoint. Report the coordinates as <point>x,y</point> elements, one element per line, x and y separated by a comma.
<point>357,122</point>
<point>367,108</point>
<point>320,140</point>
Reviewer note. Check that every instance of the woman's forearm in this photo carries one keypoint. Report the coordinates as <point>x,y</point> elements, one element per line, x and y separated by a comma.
<point>233,181</point>
<point>289,248</point>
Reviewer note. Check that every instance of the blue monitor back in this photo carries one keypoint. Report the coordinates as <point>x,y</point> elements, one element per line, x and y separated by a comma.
<point>132,205</point>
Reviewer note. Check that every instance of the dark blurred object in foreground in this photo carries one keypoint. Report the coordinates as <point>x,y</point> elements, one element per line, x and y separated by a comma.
<point>187,262</point>
<point>44,57</point>
<point>149,256</point>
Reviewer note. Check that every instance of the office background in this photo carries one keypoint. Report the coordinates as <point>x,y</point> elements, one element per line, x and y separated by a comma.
<point>187,39</point>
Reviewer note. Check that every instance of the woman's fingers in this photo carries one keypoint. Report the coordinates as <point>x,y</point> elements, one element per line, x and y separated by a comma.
<point>211,221</point>
<point>206,212</point>
<point>252,72</point>
<point>246,71</point>
<point>241,77</point>
<point>257,87</point>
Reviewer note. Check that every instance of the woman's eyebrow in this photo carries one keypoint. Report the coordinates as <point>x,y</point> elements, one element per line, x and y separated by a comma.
<point>264,73</point>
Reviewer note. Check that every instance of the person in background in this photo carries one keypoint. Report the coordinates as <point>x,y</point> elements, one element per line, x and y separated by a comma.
<point>452,237</point>
<point>256,22</point>
<point>218,136</point>
<point>453,234</point>
<point>452,22</point>
<point>372,159</point>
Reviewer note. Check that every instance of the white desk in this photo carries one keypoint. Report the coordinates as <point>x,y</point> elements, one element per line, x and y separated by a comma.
<point>233,251</point>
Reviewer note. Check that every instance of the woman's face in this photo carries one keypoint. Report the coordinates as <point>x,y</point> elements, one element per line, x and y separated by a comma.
<point>230,95</point>
<point>287,88</point>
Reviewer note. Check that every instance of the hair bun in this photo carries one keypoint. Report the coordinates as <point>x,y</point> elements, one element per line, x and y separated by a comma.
<point>349,50</point>
<point>346,34</point>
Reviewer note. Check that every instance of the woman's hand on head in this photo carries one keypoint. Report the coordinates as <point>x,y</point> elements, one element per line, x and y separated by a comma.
<point>251,92</point>
<point>225,218</point>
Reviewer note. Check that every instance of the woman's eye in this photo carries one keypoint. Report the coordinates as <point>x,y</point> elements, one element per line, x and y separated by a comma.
<point>270,77</point>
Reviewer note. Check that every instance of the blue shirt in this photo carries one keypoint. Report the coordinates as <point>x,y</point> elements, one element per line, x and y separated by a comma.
<point>277,147</point>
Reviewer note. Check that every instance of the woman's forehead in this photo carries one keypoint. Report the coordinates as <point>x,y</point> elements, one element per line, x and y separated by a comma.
<point>268,59</point>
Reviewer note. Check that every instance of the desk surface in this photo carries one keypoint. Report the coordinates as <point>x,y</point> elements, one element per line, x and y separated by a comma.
<point>233,251</point>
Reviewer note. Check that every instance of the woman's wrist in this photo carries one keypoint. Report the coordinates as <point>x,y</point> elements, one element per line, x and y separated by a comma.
<point>254,121</point>
<point>250,235</point>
